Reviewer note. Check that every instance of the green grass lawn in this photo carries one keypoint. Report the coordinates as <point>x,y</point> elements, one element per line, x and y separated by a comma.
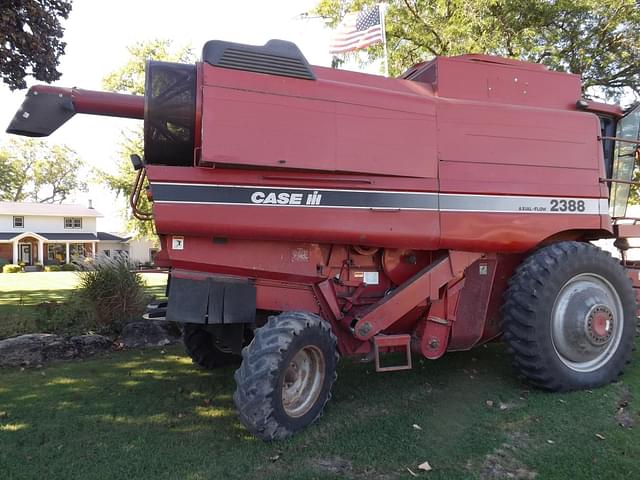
<point>20,293</point>
<point>152,414</point>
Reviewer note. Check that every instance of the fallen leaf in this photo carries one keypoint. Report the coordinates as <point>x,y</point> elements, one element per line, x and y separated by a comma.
<point>206,402</point>
<point>416,426</point>
<point>600,436</point>
<point>550,442</point>
<point>274,458</point>
<point>562,401</point>
<point>425,466</point>
<point>489,403</point>
<point>413,474</point>
<point>503,406</point>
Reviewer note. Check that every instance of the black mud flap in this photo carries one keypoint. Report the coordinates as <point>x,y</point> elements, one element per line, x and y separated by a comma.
<point>213,301</point>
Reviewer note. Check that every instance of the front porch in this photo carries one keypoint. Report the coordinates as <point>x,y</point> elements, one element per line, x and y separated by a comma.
<point>32,248</point>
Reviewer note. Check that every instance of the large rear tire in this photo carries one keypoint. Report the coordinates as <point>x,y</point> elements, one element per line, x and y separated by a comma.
<point>203,349</point>
<point>286,375</point>
<point>570,317</point>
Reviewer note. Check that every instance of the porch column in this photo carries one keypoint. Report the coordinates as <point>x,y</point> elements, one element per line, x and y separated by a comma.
<point>15,252</point>
<point>41,251</point>
<point>66,259</point>
<point>93,249</point>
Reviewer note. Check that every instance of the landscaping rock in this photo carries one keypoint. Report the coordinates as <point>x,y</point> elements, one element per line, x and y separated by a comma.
<point>88,345</point>
<point>149,333</point>
<point>32,349</point>
<point>40,348</point>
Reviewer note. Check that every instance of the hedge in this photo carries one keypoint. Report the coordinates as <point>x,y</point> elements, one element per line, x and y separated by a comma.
<point>11,268</point>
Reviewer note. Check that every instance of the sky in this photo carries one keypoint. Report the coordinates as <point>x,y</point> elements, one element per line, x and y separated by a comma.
<point>98,33</point>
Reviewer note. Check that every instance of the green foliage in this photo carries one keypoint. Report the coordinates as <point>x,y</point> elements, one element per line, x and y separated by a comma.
<point>113,292</point>
<point>52,268</point>
<point>31,170</point>
<point>68,267</point>
<point>73,317</point>
<point>130,79</point>
<point>30,40</point>
<point>11,268</point>
<point>598,39</point>
<point>41,302</point>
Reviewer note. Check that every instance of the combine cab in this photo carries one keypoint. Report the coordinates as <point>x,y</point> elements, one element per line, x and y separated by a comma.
<point>307,213</point>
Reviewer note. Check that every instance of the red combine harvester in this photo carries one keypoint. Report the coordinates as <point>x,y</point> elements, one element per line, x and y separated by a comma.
<point>307,213</point>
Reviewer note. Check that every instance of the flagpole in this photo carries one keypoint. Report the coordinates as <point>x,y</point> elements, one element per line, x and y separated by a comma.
<point>383,8</point>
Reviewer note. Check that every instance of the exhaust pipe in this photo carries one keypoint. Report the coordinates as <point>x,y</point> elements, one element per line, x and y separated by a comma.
<point>47,108</point>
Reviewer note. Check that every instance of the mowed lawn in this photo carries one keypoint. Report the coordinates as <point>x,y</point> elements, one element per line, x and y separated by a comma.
<point>152,415</point>
<point>21,293</point>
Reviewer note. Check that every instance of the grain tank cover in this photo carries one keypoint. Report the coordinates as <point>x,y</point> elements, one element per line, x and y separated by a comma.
<point>276,57</point>
<point>498,80</point>
<point>169,113</point>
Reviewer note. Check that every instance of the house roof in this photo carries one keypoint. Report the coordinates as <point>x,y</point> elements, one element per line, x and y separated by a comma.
<point>90,237</point>
<point>112,237</point>
<point>47,209</point>
<point>72,237</point>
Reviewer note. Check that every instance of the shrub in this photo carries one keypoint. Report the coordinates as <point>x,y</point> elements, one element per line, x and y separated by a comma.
<point>52,268</point>
<point>69,267</point>
<point>11,268</point>
<point>112,291</point>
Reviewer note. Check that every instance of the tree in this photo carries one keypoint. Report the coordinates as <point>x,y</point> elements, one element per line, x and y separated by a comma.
<point>130,79</point>
<point>30,170</point>
<point>598,39</point>
<point>30,40</point>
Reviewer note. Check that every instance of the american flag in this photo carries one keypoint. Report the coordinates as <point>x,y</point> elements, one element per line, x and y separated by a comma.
<point>358,30</point>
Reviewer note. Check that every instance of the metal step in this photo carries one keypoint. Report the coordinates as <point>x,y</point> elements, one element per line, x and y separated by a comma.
<point>391,343</point>
<point>156,311</point>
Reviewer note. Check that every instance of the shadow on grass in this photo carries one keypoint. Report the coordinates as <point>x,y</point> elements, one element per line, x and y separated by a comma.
<point>152,414</point>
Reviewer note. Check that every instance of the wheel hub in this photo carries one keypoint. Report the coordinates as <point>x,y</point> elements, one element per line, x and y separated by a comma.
<point>599,324</point>
<point>303,380</point>
<point>585,324</point>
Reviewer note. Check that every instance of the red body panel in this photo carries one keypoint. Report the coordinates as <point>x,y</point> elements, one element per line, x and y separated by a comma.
<point>491,157</point>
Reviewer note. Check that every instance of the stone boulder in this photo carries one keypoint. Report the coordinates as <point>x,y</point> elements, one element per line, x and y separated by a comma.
<point>40,348</point>
<point>88,345</point>
<point>149,333</point>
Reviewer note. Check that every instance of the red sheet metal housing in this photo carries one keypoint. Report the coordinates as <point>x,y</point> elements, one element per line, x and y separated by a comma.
<point>465,129</point>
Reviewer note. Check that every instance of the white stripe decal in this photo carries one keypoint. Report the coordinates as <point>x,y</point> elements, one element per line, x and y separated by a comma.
<point>304,197</point>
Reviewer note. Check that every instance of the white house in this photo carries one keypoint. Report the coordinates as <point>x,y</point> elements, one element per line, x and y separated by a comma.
<point>139,250</point>
<point>49,234</point>
<point>33,233</point>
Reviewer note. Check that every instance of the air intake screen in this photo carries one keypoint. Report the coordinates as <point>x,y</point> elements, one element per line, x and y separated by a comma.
<point>276,57</point>
<point>169,113</point>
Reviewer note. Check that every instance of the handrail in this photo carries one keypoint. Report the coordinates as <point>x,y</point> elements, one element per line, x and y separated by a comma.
<point>623,140</point>
<point>614,180</point>
<point>134,198</point>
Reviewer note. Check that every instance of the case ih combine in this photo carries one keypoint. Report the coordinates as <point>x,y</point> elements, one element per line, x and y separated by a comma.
<point>307,213</point>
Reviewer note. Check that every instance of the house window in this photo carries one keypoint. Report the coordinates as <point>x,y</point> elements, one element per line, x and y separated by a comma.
<point>56,252</point>
<point>73,222</point>
<point>18,222</point>
<point>106,253</point>
<point>76,250</point>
